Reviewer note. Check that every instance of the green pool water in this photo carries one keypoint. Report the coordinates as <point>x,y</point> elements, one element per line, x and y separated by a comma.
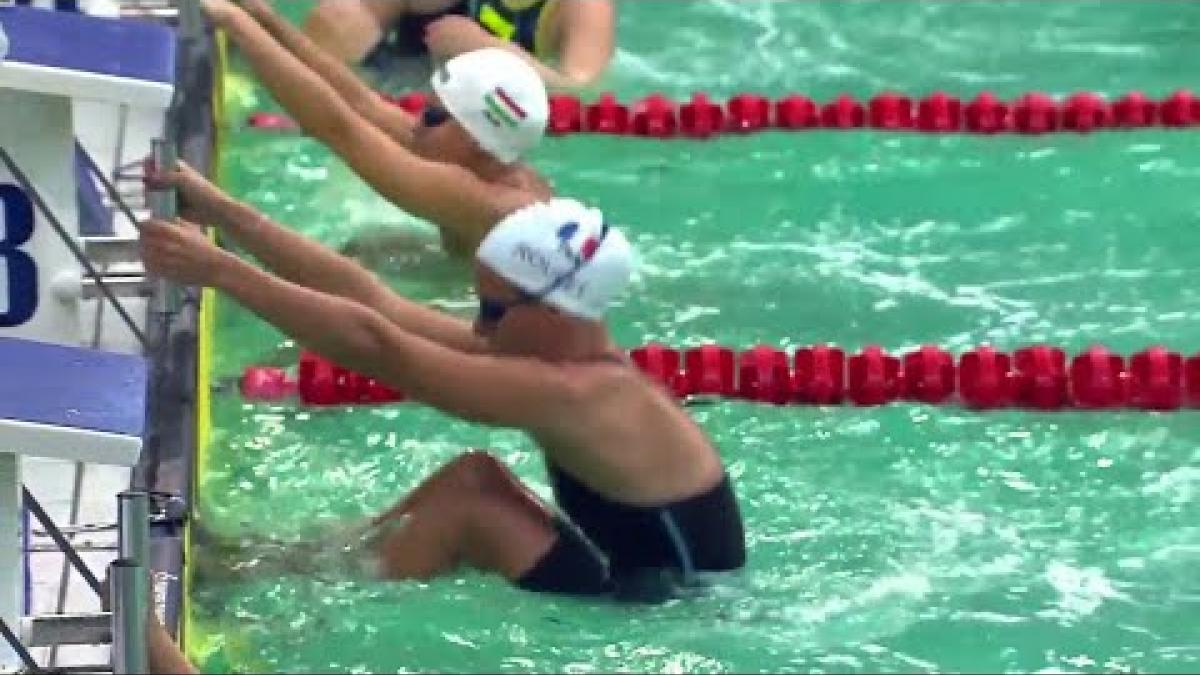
<point>905,538</point>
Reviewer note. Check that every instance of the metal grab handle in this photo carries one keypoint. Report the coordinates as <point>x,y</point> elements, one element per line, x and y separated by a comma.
<point>163,204</point>
<point>130,607</point>
<point>133,527</point>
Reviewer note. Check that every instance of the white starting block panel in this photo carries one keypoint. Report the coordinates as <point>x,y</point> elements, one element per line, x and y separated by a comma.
<point>58,63</point>
<point>58,400</point>
<point>61,402</point>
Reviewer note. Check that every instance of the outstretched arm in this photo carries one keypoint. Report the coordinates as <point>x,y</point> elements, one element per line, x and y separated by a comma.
<point>164,656</point>
<point>394,121</point>
<point>306,262</point>
<point>507,392</point>
<point>444,194</point>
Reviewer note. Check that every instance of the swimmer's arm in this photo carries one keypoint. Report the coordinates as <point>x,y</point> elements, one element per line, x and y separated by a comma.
<point>393,120</point>
<point>588,30</point>
<point>163,655</point>
<point>444,194</point>
<point>310,99</point>
<point>510,392</point>
<point>308,263</point>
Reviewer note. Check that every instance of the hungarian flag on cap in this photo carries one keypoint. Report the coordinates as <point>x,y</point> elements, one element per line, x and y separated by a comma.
<point>501,109</point>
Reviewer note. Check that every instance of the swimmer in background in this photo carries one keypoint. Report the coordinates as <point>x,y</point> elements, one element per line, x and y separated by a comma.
<point>647,506</point>
<point>578,34</point>
<point>458,166</point>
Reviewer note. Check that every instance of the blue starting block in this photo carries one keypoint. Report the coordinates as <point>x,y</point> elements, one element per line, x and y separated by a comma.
<point>71,403</point>
<point>88,57</point>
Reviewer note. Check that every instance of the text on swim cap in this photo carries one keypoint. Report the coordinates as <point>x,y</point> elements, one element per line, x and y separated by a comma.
<point>539,261</point>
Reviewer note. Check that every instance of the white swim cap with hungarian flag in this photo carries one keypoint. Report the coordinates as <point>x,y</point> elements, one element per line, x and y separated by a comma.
<point>498,98</point>
<point>563,254</point>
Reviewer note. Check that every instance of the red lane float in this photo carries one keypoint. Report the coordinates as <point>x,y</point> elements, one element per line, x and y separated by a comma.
<point>1134,110</point>
<point>986,379</point>
<point>657,116</point>
<point>1098,379</point>
<point>890,110</point>
<point>748,112</point>
<point>796,112</point>
<point>566,116</point>
<point>709,370</point>
<point>606,116</point>
<point>1038,377</point>
<point>764,375</point>
<point>873,377</point>
<point>820,375</point>
<point>1156,379</point>
<point>928,375</point>
<point>939,112</point>
<point>701,118</point>
<point>1041,374</point>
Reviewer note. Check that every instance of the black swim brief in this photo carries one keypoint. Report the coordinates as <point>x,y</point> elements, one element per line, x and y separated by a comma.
<point>637,552</point>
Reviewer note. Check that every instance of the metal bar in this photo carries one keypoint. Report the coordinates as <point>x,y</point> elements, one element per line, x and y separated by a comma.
<point>86,547</point>
<point>164,205</point>
<point>191,20</point>
<point>51,529</point>
<point>111,189</point>
<point>22,653</point>
<point>133,527</point>
<point>122,130</point>
<point>81,528</point>
<point>64,575</point>
<point>131,602</point>
<point>162,202</point>
<point>109,251</point>
<point>67,629</point>
<point>67,239</point>
<point>122,287</point>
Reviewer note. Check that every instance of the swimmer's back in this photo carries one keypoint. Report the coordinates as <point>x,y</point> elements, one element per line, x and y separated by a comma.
<point>526,187</point>
<point>632,442</point>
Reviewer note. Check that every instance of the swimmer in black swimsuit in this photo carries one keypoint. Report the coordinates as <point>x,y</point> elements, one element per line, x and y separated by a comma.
<point>578,34</point>
<point>458,164</point>
<point>643,497</point>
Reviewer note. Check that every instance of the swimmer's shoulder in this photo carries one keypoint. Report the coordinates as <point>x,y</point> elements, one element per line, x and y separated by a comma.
<point>611,376</point>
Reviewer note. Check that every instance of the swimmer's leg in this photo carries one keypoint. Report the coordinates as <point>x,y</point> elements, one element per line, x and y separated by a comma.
<point>339,551</point>
<point>475,512</point>
<point>350,29</point>
<point>374,248</point>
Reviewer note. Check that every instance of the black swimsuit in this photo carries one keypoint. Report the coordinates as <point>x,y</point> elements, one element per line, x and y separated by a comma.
<point>638,552</point>
<point>406,36</point>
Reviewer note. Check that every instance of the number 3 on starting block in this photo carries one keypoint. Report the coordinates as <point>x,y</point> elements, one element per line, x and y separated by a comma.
<point>18,273</point>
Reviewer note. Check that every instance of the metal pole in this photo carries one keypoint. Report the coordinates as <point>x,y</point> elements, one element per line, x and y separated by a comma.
<point>163,205</point>
<point>191,20</point>
<point>131,604</point>
<point>133,527</point>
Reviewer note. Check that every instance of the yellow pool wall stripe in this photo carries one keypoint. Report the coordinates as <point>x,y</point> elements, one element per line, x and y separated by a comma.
<point>204,350</point>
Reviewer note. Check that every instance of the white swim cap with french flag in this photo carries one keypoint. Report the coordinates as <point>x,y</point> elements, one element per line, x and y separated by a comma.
<point>563,254</point>
<point>498,98</point>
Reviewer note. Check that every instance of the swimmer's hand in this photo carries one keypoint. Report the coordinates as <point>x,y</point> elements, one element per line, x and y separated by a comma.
<point>220,12</point>
<point>257,8</point>
<point>180,251</point>
<point>199,200</point>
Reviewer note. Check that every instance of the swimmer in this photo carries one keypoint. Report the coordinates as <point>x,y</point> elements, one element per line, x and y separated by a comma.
<point>578,34</point>
<point>643,496</point>
<point>458,166</point>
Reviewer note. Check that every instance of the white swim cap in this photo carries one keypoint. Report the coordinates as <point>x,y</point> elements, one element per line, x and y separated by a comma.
<point>498,98</point>
<point>562,253</point>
